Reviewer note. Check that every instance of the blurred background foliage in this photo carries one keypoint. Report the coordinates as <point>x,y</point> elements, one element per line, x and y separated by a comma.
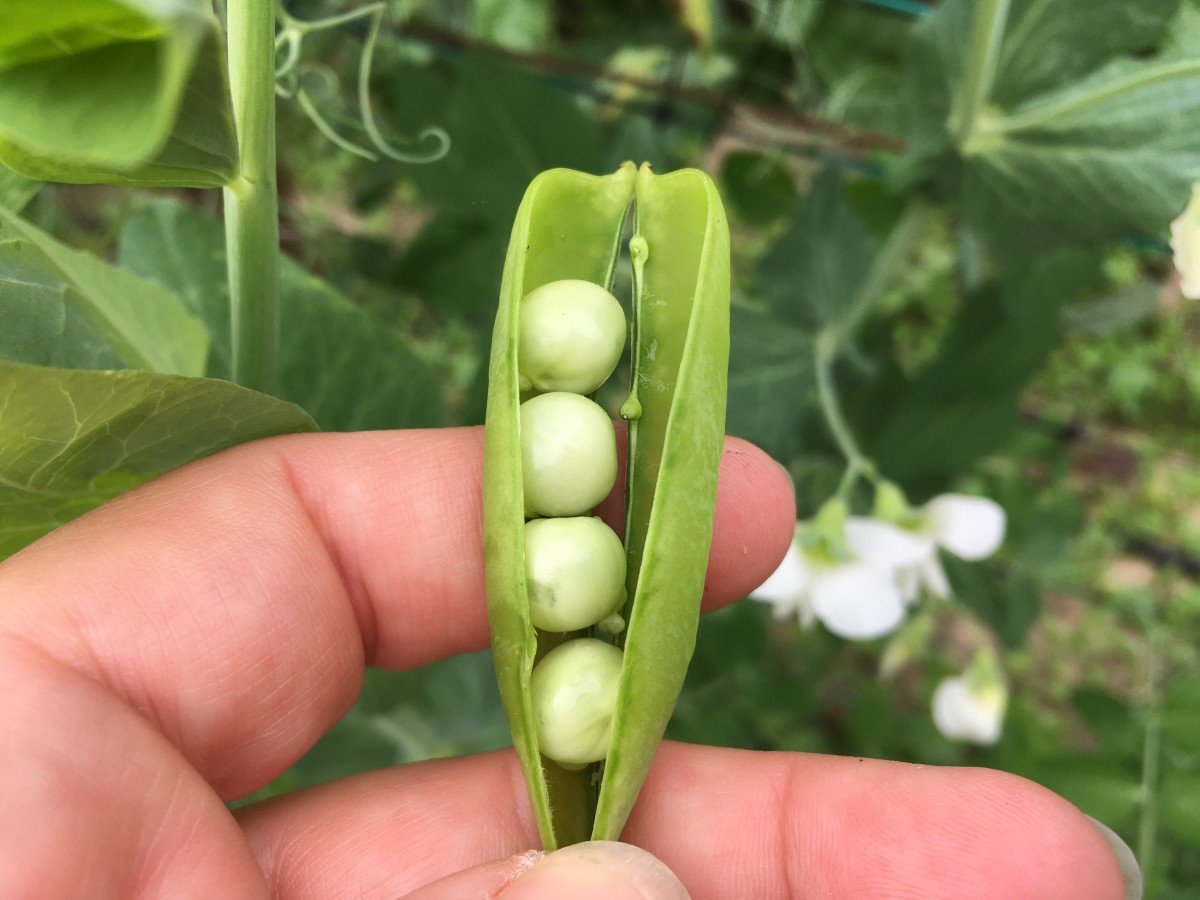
<point>995,261</point>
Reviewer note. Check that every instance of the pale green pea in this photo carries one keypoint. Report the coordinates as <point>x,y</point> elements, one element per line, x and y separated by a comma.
<point>574,691</point>
<point>572,333</point>
<point>575,569</point>
<point>568,454</point>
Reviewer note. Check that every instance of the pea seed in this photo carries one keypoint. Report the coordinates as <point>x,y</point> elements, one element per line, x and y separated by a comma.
<point>568,454</point>
<point>574,694</point>
<point>572,333</point>
<point>575,572</point>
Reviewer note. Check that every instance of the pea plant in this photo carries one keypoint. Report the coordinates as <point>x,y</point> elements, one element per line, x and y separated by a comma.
<point>952,317</point>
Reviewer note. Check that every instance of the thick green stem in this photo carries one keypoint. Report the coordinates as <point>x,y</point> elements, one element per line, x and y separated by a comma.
<point>979,70</point>
<point>1152,739</point>
<point>251,204</point>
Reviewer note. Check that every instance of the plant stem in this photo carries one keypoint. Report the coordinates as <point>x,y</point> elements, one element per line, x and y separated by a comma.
<point>979,70</point>
<point>856,463</point>
<point>1152,739</point>
<point>251,204</point>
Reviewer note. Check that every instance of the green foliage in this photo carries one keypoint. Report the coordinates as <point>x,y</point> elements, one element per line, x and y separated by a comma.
<point>769,358</point>
<point>1056,136</point>
<point>70,440</point>
<point>68,308</point>
<point>120,91</point>
<point>976,350</point>
<point>759,187</point>
<point>813,274</point>
<point>16,190</point>
<point>339,362</point>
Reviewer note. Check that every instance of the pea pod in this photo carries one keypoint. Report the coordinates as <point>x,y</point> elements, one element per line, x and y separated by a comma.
<point>568,227</point>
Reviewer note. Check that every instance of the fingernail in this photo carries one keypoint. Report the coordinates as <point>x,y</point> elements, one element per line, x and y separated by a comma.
<point>1131,872</point>
<point>597,870</point>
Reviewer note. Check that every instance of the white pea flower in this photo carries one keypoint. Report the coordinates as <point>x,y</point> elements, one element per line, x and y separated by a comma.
<point>842,573</point>
<point>972,528</point>
<point>970,707</point>
<point>1185,245</point>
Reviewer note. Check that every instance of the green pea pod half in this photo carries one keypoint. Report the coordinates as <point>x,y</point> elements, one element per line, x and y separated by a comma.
<point>569,226</point>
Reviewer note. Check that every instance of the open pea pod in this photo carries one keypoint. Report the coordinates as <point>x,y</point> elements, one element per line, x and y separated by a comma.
<point>568,226</point>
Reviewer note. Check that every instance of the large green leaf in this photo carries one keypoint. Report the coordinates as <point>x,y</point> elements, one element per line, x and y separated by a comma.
<point>16,190</point>
<point>349,369</point>
<point>964,404</point>
<point>1009,602</point>
<point>1039,45</point>
<point>1179,805</point>
<point>1100,787</point>
<point>70,440</point>
<point>505,127</point>
<point>1068,139</point>
<point>770,380</point>
<point>64,307</point>
<point>1049,43</point>
<point>116,91</point>
<point>813,273</point>
<point>1112,153</point>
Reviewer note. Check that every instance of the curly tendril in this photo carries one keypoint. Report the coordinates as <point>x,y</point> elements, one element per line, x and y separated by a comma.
<point>290,85</point>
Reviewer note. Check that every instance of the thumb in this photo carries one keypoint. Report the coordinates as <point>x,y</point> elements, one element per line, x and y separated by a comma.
<point>596,870</point>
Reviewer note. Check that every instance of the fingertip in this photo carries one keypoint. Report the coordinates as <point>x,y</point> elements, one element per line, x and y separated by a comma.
<point>603,870</point>
<point>754,522</point>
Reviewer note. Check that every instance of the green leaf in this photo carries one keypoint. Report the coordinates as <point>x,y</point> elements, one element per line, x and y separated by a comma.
<point>1098,158</point>
<point>16,190</point>
<point>116,91</point>
<point>1179,805</point>
<point>1181,714</point>
<point>448,708</point>
<point>1099,788</point>
<point>505,127</point>
<point>770,381</point>
<point>346,367</point>
<point>71,440</point>
<point>453,262</point>
<point>1008,601</point>
<point>64,307</point>
<point>1067,142</point>
<point>1116,312</point>
<point>1113,722</point>
<point>1049,44</point>
<point>758,186</point>
<point>963,404</point>
<point>784,21</point>
<point>520,24</point>
<point>812,274</point>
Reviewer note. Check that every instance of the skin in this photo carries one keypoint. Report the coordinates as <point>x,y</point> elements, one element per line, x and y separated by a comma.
<point>182,645</point>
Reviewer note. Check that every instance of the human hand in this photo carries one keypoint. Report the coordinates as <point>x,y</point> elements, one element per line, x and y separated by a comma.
<point>181,646</point>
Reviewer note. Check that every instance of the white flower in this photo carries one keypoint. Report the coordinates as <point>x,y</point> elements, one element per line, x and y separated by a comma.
<point>971,528</point>
<point>970,707</point>
<point>855,598</point>
<point>1185,244</point>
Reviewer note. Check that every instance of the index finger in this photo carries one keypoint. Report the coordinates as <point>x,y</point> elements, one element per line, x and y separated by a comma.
<point>235,602</point>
